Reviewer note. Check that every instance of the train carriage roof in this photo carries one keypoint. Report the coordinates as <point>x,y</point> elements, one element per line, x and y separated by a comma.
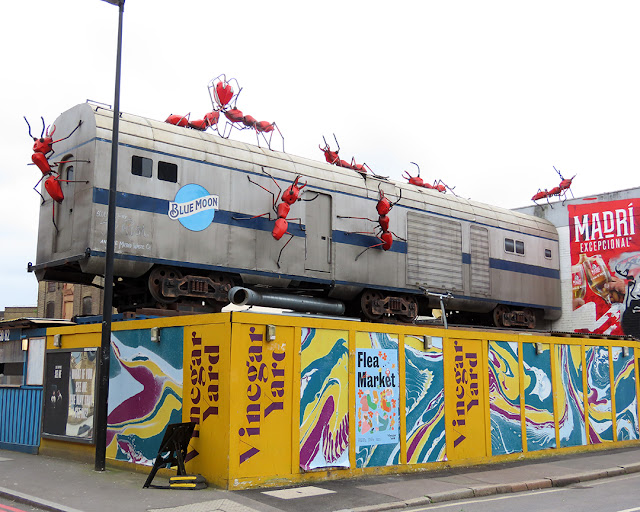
<point>205,146</point>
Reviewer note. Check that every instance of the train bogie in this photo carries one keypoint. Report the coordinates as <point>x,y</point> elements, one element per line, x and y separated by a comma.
<point>198,213</point>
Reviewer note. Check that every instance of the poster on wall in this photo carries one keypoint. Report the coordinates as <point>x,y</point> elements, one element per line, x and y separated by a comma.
<point>377,391</point>
<point>69,401</point>
<point>324,398</point>
<point>605,264</point>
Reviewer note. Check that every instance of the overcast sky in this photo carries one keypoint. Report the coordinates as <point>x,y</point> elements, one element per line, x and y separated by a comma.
<point>486,95</point>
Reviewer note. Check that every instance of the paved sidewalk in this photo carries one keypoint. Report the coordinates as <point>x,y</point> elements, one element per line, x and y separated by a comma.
<point>68,486</point>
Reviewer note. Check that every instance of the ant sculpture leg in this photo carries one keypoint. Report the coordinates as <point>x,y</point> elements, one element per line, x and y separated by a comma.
<point>286,243</point>
<point>382,242</point>
<point>53,216</point>
<point>264,127</point>
<point>363,169</point>
<point>291,235</point>
<point>57,195</point>
<point>358,218</point>
<point>36,188</point>
<point>63,138</point>
<point>273,196</point>
<point>564,195</point>
<point>235,119</point>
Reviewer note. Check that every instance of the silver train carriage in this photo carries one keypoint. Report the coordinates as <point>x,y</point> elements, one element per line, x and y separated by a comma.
<point>194,230</point>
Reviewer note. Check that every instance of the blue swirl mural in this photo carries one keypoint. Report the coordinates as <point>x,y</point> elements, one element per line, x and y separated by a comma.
<point>571,421</point>
<point>624,376</point>
<point>504,398</point>
<point>599,394</point>
<point>538,397</point>
<point>424,401</point>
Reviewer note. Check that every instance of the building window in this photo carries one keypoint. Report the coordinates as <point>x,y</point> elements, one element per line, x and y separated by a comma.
<point>514,246</point>
<point>87,303</point>
<point>35,361</point>
<point>50,310</point>
<point>141,166</point>
<point>67,308</point>
<point>167,172</point>
<point>11,363</point>
<point>51,286</point>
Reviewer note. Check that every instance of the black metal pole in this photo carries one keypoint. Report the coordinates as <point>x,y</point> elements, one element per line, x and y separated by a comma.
<point>105,345</point>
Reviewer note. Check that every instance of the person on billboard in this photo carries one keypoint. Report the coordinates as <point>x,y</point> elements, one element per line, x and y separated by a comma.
<point>624,291</point>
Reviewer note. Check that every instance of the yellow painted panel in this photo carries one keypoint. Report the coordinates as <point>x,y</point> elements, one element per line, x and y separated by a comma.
<point>261,394</point>
<point>464,370</point>
<point>206,398</point>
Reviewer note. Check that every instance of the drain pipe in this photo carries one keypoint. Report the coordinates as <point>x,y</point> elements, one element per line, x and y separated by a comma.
<point>241,296</point>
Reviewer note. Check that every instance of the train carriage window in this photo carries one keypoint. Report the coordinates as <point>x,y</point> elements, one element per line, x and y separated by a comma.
<point>509,245</point>
<point>141,166</point>
<point>514,246</point>
<point>167,172</point>
<point>547,253</point>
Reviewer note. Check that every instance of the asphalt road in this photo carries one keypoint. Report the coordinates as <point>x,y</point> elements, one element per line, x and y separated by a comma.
<point>11,506</point>
<point>619,494</point>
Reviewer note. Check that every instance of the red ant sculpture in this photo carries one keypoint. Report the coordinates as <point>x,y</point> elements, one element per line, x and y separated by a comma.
<point>239,121</point>
<point>560,191</point>
<point>333,158</point>
<point>222,95</point>
<point>439,185</point>
<point>42,151</point>
<point>414,180</point>
<point>383,207</point>
<point>289,196</point>
<point>178,120</point>
<point>209,120</point>
<point>223,98</point>
<point>43,145</point>
<point>221,92</point>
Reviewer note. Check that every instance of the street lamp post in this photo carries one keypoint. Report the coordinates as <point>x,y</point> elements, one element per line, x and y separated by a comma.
<point>105,345</point>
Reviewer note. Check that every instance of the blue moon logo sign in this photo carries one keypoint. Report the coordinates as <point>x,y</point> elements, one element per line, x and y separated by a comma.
<point>193,207</point>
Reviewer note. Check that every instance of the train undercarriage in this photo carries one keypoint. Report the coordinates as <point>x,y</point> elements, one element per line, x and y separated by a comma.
<point>189,291</point>
<point>168,288</point>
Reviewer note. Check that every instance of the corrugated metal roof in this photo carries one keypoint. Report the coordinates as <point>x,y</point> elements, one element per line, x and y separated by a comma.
<point>25,323</point>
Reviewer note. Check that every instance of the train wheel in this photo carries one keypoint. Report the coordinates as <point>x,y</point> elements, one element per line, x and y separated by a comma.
<point>530,318</point>
<point>412,309</point>
<point>366,303</point>
<point>499,314</point>
<point>222,284</point>
<point>157,276</point>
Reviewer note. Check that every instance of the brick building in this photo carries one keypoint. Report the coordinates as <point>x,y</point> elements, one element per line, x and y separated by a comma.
<point>66,300</point>
<point>15,312</point>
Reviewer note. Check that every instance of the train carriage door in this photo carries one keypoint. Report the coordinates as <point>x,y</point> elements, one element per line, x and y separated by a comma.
<point>318,232</point>
<point>63,215</point>
<point>480,270</point>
